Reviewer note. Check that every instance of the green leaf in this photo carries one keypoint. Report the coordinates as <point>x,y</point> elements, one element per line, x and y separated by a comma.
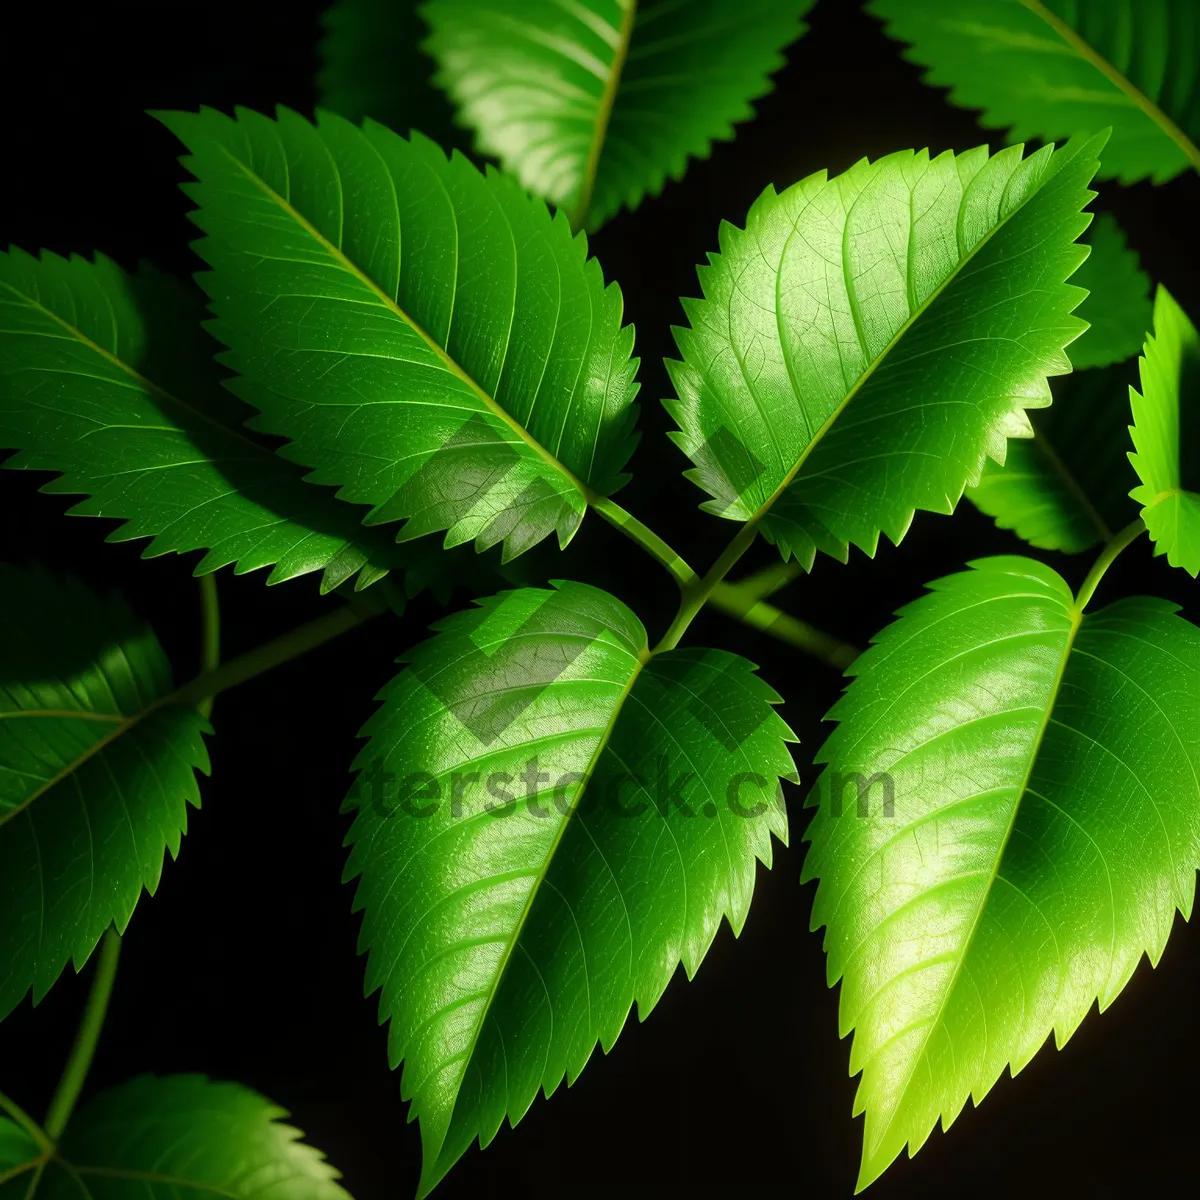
<point>597,103</point>
<point>107,379</point>
<point>1166,415</point>
<point>1047,69</point>
<point>373,66</point>
<point>549,819</point>
<point>184,1137</point>
<point>1118,304</point>
<point>428,337</point>
<point>1044,827</point>
<point>95,778</point>
<point>1067,487</point>
<point>867,342</point>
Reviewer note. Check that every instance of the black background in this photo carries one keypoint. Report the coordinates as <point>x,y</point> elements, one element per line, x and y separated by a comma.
<point>244,965</point>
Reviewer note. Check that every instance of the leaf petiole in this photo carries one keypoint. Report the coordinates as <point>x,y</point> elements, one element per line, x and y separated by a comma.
<point>79,1063</point>
<point>1117,543</point>
<point>696,594</point>
<point>645,537</point>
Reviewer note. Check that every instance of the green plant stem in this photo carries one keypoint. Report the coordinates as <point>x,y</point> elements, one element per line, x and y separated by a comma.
<point>210,641</point>
<point>695,595</point>
<point>1117,543</point>
<point>271,654</point>
<point>769,580</point>
<point>82,1053</point>
<point>740,601</point>
<point>645,537</point>
<point>27,1123</point>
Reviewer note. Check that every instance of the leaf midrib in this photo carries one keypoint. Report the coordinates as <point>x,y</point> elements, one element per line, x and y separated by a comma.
<point>1075,616</point>
<point>603,116</point>
<point>643,657</point>
<point>122,725</point>
<point>339,256</point>
<point>1123,84</point>
<point>78,335</point>
<point>881,357</point>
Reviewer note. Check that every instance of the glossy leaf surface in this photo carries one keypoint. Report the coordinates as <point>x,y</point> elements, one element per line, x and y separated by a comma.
<point>1033,826</point>
<point>181,1137</point>
<point>427,337</point>
<point>548,821</point>
<point>1049,69</point>
<point>868,341</point>
<point>1117,308</point>
<point>107,379</point>
<point>94,781</point>
<point>597,103</point>
<point>1067,487</point>
<point>1166,435</point>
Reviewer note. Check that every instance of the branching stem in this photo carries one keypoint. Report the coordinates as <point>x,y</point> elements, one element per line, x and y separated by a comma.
<point>645,537</point>
<point>695,595</point>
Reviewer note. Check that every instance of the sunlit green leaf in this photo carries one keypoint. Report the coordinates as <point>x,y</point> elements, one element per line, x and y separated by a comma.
<point>594,104</point>
<point>868,341</point>
<point>1048,69</point>
<point>1166,435</point>
<point>427,337</point>
<point>549,819</point>
<point>183,1137</point>
<point>94,779</point>
<point>1030,828</point>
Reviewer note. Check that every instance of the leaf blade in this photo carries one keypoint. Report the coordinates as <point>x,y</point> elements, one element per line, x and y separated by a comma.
<point>186,1136</point>
<point>500,346</point>
<point>564,903</point>
<point>110,385</point>
<point>595,105</point>
<point>1046,69</point>
<point>840,336</point>
<point>95,781</point>
<point>1003,844</point>
<point>1118,308</point>
<point>1165,412</point>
